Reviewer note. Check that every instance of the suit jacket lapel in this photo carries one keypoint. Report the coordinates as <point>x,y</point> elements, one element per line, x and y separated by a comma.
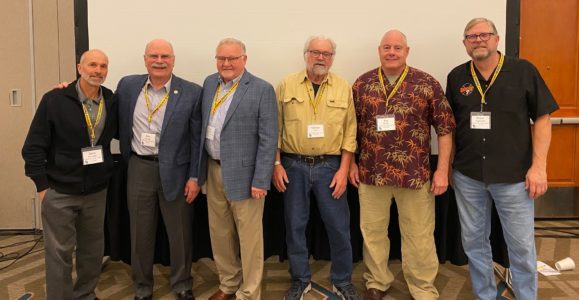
<point>174,96</point>
<point>209,90</point>
<point>238,96</point>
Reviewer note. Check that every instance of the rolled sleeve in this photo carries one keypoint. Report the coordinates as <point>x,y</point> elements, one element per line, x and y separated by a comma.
<point>350,127</point>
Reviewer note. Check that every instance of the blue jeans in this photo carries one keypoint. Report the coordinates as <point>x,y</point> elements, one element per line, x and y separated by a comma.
<point>303,179</point>
<point>516,212</point>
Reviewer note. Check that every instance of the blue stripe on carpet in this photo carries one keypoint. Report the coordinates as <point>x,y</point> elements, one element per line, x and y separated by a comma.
<point>26,296</point>
<point>324,291</point>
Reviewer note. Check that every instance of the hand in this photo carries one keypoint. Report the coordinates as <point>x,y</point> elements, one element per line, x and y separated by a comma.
<point>41,195</point>
<point>354,177</point>
<point>279,178</point>
<point>61,85</point>
<point>439,182</point>
<point>339,183</point>
<point>536,182</point>
<point>191,190</point>
<point>257,193</point>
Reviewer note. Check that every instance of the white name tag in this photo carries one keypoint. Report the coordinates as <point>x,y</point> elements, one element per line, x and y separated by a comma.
<point>315,131</point>
<point>92,155</point>
<point>386,122</point>
<point>210,133</point>
<point>480,120</point>
<point>148,139</point>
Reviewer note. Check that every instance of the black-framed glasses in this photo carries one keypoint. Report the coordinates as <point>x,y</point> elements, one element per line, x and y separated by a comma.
<point>230,59</point>
<point>485,36</point>
<point>316,53</point>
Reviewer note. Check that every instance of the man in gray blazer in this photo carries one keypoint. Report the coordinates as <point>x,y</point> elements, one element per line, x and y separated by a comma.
<point>237,153</point>
<point>159,129</point>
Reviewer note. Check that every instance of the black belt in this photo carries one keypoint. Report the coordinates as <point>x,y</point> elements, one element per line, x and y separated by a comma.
<point>310,160</point>
<point>147,157</point>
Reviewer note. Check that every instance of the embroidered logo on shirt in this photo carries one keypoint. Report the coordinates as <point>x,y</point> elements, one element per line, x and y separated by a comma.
<point>466,89</point>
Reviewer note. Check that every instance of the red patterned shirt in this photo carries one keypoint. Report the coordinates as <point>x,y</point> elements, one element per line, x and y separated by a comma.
<point>399,157</point>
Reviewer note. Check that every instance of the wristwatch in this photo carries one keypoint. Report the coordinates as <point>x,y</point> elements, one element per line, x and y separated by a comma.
<point>277,163</point>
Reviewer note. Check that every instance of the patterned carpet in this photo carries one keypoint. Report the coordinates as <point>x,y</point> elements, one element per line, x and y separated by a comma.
<point>26,275</point>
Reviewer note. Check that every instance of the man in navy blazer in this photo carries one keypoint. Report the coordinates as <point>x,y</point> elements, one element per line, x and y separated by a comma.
<point>238,146</point>
<point>159,127</point>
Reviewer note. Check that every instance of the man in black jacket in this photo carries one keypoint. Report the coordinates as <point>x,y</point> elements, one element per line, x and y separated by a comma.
<point>67,155</point>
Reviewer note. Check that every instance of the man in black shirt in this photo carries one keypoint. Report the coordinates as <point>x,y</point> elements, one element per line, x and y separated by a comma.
<point>498,155</point>
<point>67,155</point>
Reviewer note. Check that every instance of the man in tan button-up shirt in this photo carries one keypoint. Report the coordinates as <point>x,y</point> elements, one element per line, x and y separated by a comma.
<point>317,137</point>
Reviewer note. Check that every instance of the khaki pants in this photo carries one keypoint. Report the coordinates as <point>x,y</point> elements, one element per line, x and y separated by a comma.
<point>416,221</point>
<point>236,230</point>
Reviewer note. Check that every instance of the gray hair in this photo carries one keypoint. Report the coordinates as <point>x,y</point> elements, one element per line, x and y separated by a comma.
<point>231,41</point>
<point>321,38</point>
<point>159,41</point>
<point>476,21</point>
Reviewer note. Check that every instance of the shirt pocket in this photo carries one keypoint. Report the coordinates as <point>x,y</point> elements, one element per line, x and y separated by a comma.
<point>293,108</point>
<point>336,109</point>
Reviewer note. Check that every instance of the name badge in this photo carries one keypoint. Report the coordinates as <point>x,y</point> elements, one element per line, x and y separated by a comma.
<point>210,133</point>
<point>386,122</point>
<point>148,139</point>
<point>315,131</point>
<point>92,155</point>
<point>480,120</point>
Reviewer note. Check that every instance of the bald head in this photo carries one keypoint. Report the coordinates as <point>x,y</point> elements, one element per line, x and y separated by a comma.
<point>394,34</point>
<point>393,51</point>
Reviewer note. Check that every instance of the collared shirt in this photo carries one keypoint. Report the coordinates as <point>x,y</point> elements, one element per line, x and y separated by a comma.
<point>503,153</point>
<point>92,107</point>
<point>217,119</point>
<point>141,124</point>
<point>399,157</point>
<point>335,111</point>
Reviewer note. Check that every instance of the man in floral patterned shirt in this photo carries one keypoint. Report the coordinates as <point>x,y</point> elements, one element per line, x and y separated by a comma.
<point>395,107</point>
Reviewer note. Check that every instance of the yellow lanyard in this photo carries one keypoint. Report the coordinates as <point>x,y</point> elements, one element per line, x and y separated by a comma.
<point>218,101</point>
<point>314,101</point>
<point>159,105</point>
<point>91,127</point>
<point>493,78</point>
<point>398,84</point>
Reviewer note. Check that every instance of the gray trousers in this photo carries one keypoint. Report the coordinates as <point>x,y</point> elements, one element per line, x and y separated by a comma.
<point>69,221</point>
<point>145,200</point>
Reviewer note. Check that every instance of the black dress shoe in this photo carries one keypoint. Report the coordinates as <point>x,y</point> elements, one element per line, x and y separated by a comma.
<point>186,295</point>
<point>144,298</point>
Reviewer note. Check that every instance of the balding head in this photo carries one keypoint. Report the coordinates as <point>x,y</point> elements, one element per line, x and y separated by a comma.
<point>159,60</point>
<point>396,35</point>
<point>93,67</point>
<point>158,43</point>
<point>393,51</point>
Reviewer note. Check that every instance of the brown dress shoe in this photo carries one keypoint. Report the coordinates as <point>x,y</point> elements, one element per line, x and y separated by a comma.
<point>374,294</point>
<point>220,295</point>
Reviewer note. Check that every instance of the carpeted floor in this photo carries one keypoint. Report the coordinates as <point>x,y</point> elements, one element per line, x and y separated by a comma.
<point>26,275</point>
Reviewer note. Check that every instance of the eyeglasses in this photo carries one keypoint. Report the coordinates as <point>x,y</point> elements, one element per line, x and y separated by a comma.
<point>316,53</point>
<point>485,36</point>
<point>230,59</point>
<point>161,56</point>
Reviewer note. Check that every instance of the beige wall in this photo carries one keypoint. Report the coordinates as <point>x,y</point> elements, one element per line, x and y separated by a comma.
<point>37,52</point>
